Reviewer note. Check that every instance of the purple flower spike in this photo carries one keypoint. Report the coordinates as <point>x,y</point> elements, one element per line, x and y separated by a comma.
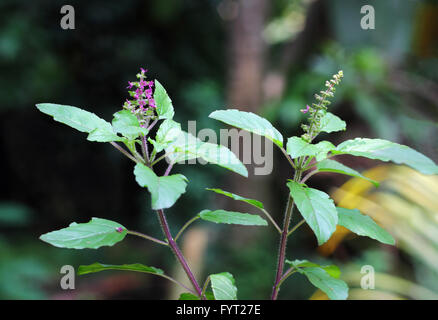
<point>305,110</point>
<point>142,83</point>
<point>119,229</point>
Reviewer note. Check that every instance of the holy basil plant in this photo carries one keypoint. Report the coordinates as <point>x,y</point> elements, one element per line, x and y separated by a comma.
<point>149,110</point>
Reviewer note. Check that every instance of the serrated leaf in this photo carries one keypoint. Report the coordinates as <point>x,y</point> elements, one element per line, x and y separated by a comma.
<point>317,209</point>
<point>165,191</point>
<point>137,267</point>
<point>93,234</point>
<point>74,117</point>
<point>167,133</point>
<point>363,225</point>
<point>232,217</point>
<point>335,289</point>
<point>104,135</point>
<point>329,165</point>
<point>127,124</point>
<point>223,286</point>
<point>331,123</point>
<point>387,151</point>
<point>297,147</point>
<point>187,147</point>
<point>249,122</point>
<point>252,202</point>
<point>164,107</point>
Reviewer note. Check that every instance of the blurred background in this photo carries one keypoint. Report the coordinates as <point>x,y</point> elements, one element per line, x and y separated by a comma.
<point>263,56</point>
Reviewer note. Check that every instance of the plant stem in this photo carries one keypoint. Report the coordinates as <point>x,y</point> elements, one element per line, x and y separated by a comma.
<point>185,227</point>
<point>126,153</point>
<point>144,236</point>
<point>168,169</point>
<point>307,176</point>
<point>296,227</point>
<point>178,253</point>
<point>204,288</point>
<point>271,219</point>
<point>144,148</point>
<point>288,158</point>
<point>282,248</point>
<point>152,125</point>
<point>283,239</point>
<point>177,282</point>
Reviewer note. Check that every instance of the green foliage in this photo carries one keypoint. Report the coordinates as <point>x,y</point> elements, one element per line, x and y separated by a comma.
<point>329,165</point>
<point>167,133</point>
<point>249,122</point>
<point>74,117</point>
<point>165,191</point>
<point>91,235</point>
<point>137,267</point>
<point>363,225</point>
<point>252,202</point>
<point>387,151</point>
<point>191,296</point>
<point>187,147</point>
<point>223,286</point>
<point>163,102</point>
<point>231,217</point>
<point>317,209</point>
<point>126,123</point>
<point>297,147</point>
<point>324,278</point>
<point>331,123</point>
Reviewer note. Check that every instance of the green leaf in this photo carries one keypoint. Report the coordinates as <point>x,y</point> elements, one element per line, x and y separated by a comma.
<point>317,209</point>
<point>252,202</point>
<point>164,107</point>
<point>188,296</point>
<point>249,122</point>
<point>191,296</point>
<point>126,123</point>
<point>74,117</point>
<point>231,217</point>
<point>298,147</point>
<point>329,165</point>
<point>387,151</point>
<point>332,270</point>
<point>331,123</point>
<point>187,147</point>
<point>97,267</point>
<point>165,191</point>
<point>167,133</point>
<point>104,135</point>
<point>363,225</point>
<point>93,234</point>
<point>223,286</point>
<point>335,289</point>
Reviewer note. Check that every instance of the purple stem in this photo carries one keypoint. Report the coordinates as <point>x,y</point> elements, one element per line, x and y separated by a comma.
<point>282,249</point>
<point>178,252</point>
<point>174,246</point>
